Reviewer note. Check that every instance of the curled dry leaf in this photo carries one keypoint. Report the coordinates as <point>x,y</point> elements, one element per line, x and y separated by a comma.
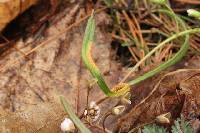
<point>170,94</point>
<point>9,9</point>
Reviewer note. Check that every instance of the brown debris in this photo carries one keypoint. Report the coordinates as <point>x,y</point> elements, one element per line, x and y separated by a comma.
<point>9,9</point>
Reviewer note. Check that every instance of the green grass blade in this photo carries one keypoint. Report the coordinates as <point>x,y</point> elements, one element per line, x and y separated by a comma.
<point>108,2</point>
<point>177,57</point>
<point>88,41</point>
<point>73,116</point>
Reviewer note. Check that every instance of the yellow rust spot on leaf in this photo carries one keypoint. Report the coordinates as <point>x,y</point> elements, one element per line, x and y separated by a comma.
<point>121,88</point>
<point>89,56</point>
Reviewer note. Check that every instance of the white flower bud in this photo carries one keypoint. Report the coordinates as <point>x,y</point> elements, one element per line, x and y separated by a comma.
<point>193,13</point>
<point>67,125</point>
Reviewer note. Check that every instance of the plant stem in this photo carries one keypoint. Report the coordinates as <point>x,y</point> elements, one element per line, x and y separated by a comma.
<point>164,65</point>
<point>73,116</point>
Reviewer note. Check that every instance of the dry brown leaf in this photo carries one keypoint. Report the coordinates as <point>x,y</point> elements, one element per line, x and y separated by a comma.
<point>9,9</point>
<point>41,118</point>
<point>56,68</point>
<point>166,98</point>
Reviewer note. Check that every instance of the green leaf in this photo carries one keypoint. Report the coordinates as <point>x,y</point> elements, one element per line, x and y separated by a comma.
<point>193,13</point>
<point>89,31</point>
<point>108,2</point>
<point>73,116</point>
<point>159,1</point>
<point>181,126</point>
<point>153,129</point>
<point>91,66</point>
<point>86,55</point>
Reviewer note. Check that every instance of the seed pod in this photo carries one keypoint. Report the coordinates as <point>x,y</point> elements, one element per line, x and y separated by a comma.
<point>164,118</point>
<point>118,110</point>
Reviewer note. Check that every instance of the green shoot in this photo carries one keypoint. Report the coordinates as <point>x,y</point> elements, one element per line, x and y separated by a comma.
<point>73,117</point>
<point>88,41</point>
<point>170,62</point>
<point>123,88</point>
<point>193,13</point>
